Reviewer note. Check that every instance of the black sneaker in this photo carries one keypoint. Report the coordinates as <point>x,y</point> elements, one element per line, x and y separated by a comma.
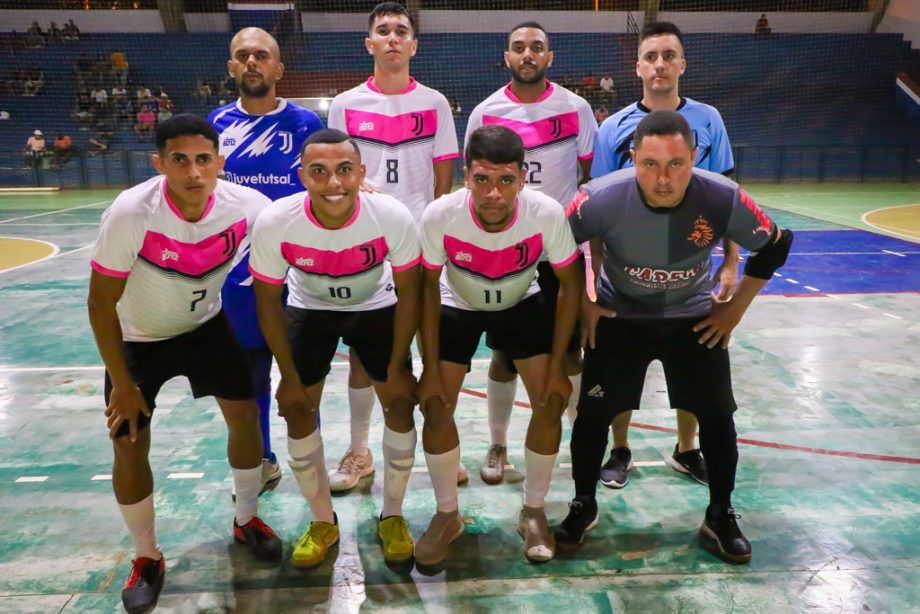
<point>721,535</point>
<point>690,462</point>
<point>144,584</point>
<point>259,538</point>
<point>582,518</point>
<point>615,472</point>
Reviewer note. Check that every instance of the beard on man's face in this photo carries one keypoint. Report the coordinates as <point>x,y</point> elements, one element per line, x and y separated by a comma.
<point>258,90</point>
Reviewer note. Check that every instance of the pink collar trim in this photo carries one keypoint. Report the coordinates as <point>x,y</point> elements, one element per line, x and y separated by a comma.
<point>318,224</point>
<point>412,85</point>
<point>175,209</point>
<point>478,222</point>
<point>546,93</point>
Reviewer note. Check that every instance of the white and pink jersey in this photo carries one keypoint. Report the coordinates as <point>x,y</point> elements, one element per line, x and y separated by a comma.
<point>175,268</point>
<point>492,271</point>
<point>401,136</point>
<point>343,269</point>
<point>558,129</point>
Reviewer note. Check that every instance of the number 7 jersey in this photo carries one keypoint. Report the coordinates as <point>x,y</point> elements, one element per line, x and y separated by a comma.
<point>174,268</point>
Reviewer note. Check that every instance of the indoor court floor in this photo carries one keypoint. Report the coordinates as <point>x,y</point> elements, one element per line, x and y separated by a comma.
<point>826,368</point>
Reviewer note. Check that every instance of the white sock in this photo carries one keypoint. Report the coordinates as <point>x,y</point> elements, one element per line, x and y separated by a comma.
<point>309,468</point>
<point>539,472</point>
<point>443,471</point>
<point>139,518</point>
<point>398,458</point>
<point>572,407</point>
<point>500,401</point>
<point>247,483</point>
<point>361,406</point>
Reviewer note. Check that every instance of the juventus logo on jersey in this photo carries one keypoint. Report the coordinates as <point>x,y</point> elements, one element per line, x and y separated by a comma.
<point>523,250</point>
<point>287,141</point>
<point>230,243</point>
<point>419,124</point>
<point>370,254</point>
<point>557,127</point>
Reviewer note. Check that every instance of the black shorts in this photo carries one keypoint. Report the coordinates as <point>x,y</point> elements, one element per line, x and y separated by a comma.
<point>549,288</point>
<point>698,378</point>
<point>522,331</point>
<point>209,356</point>
<point>315,335</point>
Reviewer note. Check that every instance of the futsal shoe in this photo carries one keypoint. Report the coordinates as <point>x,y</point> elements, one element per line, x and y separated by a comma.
<point>142,590</point>
<point>582,517</point>
<point>433,546</point>
<point>315,543</point>
<point>352,467</point>
<point>259,539</point>
<point>539,543</point>
<point>271,475</point>
<point>393,535</point>
<point>721,535</point>
<point>463,476</point>
<point>615,472</point>
<point>690,462</point>
<point>493,468</point>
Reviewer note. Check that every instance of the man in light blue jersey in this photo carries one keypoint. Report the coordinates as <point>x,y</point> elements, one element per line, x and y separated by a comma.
<point>660,64</point>
<point>261,137</point>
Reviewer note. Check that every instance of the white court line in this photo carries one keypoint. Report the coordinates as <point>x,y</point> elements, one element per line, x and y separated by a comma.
<point>885,230</point>
<point>902,254</point>
<point>812,288</point>
<point>58,254</point>
<point>777,275</point>
<point>192,475</point>
<point>30,478</point>
<point>892,316</point>
<point>55,250</point>
<point>101,476</point>
<point>860,305</point>
<point>792,281</point>
<point>897,253</point>
<point>29,217</point>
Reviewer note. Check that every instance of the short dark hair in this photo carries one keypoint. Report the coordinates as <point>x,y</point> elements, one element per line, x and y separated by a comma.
<point>663,123</point>
<point>390,8</point>
<point>657,28</point>
<point>185,124</point>
<point>496,144</point>
<point>331,136</point>
<point>528,24</point>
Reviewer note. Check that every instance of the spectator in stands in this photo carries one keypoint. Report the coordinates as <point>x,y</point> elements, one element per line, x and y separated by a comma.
<point>762,28</point>
<point>590,83</point>
<point>100,98</point>
<point>119,93</point>
<point>600,114</point>
<point>143,94</point>
<point>54,32</point>
<point>203,90</point>
<point>606,83</point>
<point>70,32</point>
<point>166,102</point>
<point>227,90</point>
<point>63,150</point>
<point>146,123</point>
<point>161,91</point>
<point>35,148</point>
<point>119,66</point>
<point>34,36</point>
<point>101,141</point>
<point>455,107</point>
<point>608,91</point>
<point>30,87</point>
<point>4,115</point>
<point>164,114</point>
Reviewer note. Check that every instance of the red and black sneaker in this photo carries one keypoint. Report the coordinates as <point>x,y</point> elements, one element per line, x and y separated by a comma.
<point>259,538</point>
<point>144,584</point>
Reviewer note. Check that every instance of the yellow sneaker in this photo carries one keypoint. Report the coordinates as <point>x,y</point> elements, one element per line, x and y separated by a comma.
<point>314,543</point>
<point>393,535</point>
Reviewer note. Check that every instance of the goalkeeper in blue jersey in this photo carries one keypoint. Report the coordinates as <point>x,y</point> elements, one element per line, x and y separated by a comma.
<point>660,65</point>
<point>261,137</point>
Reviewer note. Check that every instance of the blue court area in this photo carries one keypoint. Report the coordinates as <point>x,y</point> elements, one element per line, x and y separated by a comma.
<point>845,261</point>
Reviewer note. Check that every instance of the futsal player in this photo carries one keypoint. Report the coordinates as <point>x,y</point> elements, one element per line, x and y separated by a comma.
<point>660,65</point>
<point>480,249</point>
<point>558,130</point>
<point>408,144</point>
<point>659,223</point>
<point>261,136</point>
<point>352,265</point>
<point>164,250</point>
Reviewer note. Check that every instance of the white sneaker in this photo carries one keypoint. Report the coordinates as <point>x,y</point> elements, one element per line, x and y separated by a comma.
<point>271,475</point>
<point>352,467</point>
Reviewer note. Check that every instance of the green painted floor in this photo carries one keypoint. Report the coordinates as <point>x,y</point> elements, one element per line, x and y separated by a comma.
<point>831,533</point>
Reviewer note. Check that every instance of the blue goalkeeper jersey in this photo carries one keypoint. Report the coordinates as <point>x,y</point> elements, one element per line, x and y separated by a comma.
<point>262,152</point>
<point>615,138</point>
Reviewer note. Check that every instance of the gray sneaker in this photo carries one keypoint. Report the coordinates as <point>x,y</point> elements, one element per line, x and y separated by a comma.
<point>615,472</point>
<point>493,467</point>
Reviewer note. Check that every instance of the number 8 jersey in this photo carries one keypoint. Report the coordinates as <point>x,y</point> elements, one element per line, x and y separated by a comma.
<point>175,268</point>
<point>341,269</point>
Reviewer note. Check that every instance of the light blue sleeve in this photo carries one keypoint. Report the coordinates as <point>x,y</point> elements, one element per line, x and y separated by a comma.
<point>720,159</point>
<point>604,154</point>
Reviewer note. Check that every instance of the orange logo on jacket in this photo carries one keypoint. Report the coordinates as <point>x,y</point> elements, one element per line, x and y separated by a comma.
<point>702,232</point>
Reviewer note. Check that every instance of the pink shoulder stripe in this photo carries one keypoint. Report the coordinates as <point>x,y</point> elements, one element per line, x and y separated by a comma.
<point>408,265</point>
<point>449,156</point>
<point>108,272</point>
<point>265,278</point>
<point>566,262</point>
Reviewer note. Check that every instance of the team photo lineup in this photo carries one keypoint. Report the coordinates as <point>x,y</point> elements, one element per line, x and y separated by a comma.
<point>583,253</point>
